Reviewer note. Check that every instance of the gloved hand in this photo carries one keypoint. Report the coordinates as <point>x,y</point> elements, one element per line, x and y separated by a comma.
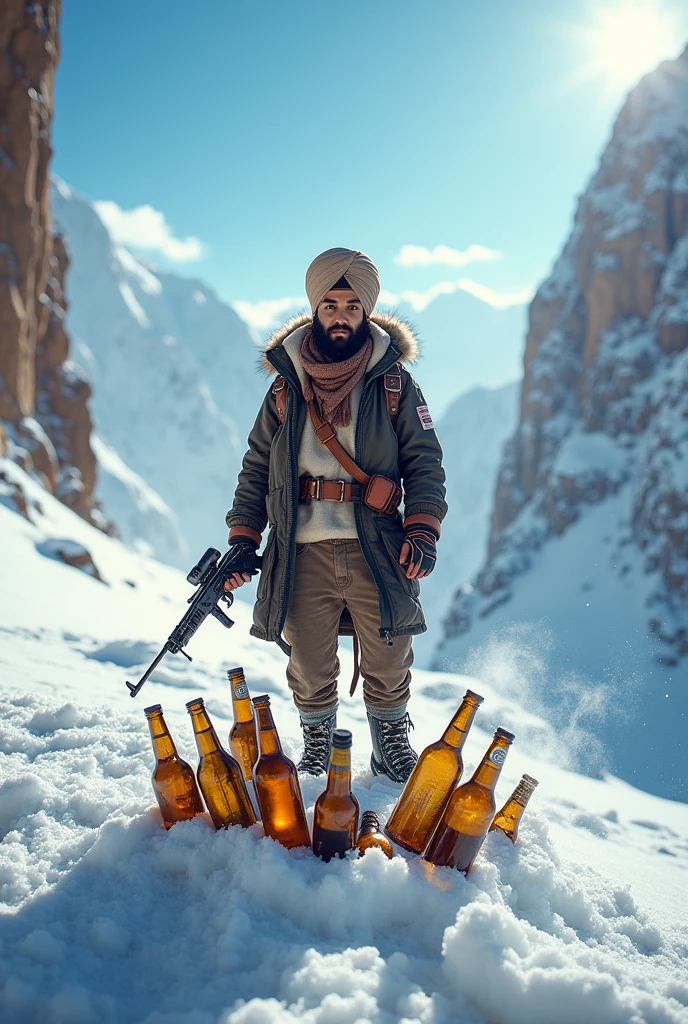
<point>419,550</point>
<point>243,551</point>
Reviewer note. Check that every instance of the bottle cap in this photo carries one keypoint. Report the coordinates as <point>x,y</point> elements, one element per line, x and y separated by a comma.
<point>507,735</point>
<point>152,709</point>
<point>370,818</point>
<point>233,673</point>
<point>342,739</point>
<point>263,699</point>
<point>530,781</point>
<point>197,702</point>
<point>474,695</point>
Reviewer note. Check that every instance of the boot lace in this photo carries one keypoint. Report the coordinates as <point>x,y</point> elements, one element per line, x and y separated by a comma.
<point>397,751</point>
<point>317,740</point>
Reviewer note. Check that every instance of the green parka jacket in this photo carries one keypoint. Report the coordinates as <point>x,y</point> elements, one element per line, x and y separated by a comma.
<point>407,452</point>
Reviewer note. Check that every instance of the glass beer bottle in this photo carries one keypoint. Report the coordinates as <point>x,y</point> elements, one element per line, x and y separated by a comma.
<point>371,835</point>
<point>277,785</point>
<point>243,741</point>
<point>174,783</point>
<point>431,782</point>
<point>219,776</point>
<point>335,818</point>
<point>507,820</point>
<point>469,813</point>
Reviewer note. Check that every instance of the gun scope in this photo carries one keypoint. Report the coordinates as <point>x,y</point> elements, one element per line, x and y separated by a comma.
<point>207,561</point>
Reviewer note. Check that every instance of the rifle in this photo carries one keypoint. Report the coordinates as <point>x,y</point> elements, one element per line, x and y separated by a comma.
<point>209,575</point>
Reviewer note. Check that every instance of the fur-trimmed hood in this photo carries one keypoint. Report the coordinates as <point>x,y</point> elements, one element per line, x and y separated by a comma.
<point>400,332</point>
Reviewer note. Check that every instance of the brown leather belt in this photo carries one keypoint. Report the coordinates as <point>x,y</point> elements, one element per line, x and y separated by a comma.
<point>314,488</point>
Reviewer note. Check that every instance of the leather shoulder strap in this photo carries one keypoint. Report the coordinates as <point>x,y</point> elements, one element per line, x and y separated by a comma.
<point>393,391</point>
<point>326,433</point>
<point>279,390</point>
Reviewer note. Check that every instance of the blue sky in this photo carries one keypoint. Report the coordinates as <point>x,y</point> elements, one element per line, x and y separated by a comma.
<point>259,134</point>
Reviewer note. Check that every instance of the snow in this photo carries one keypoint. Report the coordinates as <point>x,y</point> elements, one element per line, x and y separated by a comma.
<point>140,510</point>
<point>583,454</point>
<point>175,387</point>
<point>472,433</point>
<point>574,633</point>
<point>105,916</point>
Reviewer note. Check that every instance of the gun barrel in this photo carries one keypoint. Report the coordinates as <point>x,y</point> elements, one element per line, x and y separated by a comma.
<point>133,690</point>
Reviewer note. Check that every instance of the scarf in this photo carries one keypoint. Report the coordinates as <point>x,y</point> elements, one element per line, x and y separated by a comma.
<point>331,384</point>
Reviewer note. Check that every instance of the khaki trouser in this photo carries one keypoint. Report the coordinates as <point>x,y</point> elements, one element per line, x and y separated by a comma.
<point>331,575</point>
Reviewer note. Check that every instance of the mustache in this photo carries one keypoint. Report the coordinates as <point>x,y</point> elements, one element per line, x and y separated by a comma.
<point>339,327</point>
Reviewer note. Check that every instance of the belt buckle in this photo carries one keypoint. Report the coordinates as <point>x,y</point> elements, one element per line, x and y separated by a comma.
<point>318,489</point>
<point>342,486</point>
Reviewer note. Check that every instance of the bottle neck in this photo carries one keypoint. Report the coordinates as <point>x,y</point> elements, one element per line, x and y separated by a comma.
<point>369,823</point>
<point>490,768</point>
<point>241,701</point>
<point>522,793</point>
<point>339,778</point>
<point>267,733</point>
<point>163,744</point>
<point>457,730</point>
<point>204,733</point>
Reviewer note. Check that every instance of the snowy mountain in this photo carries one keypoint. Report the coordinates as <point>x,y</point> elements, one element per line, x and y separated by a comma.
<point>581,921</point>
<point>175,385</point>
<point>590,522</point>
<point>465,339</point>
<point>472,433</point>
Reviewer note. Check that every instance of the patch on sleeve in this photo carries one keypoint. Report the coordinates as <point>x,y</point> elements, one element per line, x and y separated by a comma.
<point>425,417</point>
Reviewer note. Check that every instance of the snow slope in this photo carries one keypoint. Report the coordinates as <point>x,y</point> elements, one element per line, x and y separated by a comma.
<point>106,917</point>
<point>175,387</point>
<point>472,433</point>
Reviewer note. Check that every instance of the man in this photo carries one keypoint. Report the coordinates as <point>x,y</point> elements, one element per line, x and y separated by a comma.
<point>339,557</point>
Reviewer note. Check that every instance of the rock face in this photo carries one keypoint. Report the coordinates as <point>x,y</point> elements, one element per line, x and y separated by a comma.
<point>604,400</point>
<point>44,418</point>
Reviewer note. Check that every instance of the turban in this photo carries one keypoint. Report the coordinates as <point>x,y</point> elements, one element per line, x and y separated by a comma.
<point>359,270</point>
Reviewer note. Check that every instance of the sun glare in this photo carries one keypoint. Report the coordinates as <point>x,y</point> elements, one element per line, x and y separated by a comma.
<point>628,39</point>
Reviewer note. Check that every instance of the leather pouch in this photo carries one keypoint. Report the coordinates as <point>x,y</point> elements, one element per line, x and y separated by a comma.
<point>382,494</point>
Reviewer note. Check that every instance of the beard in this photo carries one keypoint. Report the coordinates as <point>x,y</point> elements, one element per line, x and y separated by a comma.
<point>336,350</point>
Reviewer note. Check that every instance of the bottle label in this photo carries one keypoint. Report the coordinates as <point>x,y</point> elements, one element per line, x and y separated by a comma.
<point>240,690</point>
<point>340,757</point>
<point>498,756</point>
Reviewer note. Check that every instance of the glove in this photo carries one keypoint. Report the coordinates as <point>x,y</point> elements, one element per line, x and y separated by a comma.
<point>244,561</point>
<point>419,550</point>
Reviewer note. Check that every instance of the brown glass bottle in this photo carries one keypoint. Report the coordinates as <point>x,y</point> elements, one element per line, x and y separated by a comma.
<point>432,781</point>
<point>219,775</point>
<point>469,813</point>
<point>277,785</point>
<point>174,783</point>
<point>371,835</point>
<point>507,820</point>
<point>335,818</point>
<point>243,741</point>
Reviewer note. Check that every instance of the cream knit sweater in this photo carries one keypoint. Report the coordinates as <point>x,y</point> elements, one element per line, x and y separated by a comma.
<point>323,520</point>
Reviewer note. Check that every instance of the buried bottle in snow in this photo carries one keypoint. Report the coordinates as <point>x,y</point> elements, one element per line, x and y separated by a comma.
<point>219,775</point>
<point>174,782</point>
<point>469,813</point>
<point>243,741</point>
<point>507,820</point>
<point>431,782</point>
<point>335,818</point>
<point>277,785</point>
<point>371,835</point>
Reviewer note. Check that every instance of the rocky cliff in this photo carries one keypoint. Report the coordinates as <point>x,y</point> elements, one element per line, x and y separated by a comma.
<point>44,418</point>
<point>604,400</point>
